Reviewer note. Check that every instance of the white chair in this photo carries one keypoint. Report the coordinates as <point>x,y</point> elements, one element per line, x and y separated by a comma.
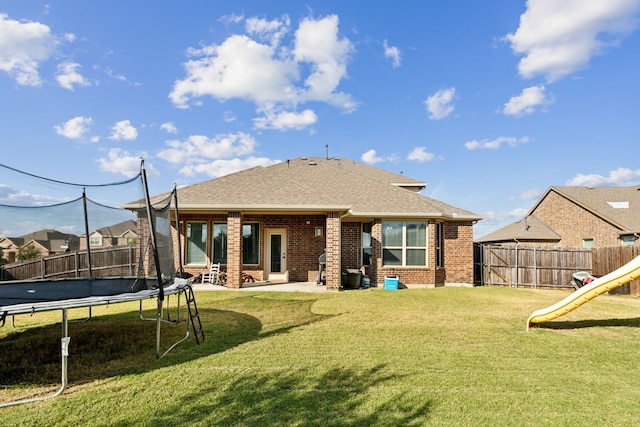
<point>213,276</point>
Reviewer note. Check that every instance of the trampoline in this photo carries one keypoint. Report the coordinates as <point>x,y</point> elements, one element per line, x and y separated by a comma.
<point>156,278</point>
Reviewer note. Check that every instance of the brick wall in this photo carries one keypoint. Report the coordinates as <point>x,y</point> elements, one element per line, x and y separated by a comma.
<point>575,223</point>
<point>458,252</point>
<point>234,250</point>
<point>304,248</point>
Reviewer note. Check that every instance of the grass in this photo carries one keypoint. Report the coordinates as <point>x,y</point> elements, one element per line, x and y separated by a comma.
<point>446,356</point>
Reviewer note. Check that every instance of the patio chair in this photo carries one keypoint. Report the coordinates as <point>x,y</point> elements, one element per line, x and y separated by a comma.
<point>214,276</point>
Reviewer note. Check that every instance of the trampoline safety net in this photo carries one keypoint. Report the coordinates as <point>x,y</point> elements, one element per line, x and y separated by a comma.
<point>52,229</point>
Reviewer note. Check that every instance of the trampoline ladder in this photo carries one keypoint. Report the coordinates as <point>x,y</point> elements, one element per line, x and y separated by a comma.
<point>194,315</point>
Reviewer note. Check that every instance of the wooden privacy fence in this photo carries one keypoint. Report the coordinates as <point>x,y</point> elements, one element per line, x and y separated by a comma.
<point>109,262</point>
<point>605,260</point>
<point>548,267</point>
<point>530,266</point>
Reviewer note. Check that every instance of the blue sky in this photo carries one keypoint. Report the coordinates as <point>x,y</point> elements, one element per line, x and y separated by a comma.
<point>488,102</point>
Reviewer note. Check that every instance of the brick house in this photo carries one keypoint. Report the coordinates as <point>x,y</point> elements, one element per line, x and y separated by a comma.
<point>577,217</point>
<point>46,242</point>
<point>121,234</point>
<point>273,223</point>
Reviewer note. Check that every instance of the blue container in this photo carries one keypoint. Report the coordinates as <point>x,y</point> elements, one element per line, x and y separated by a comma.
<point>391,283</point>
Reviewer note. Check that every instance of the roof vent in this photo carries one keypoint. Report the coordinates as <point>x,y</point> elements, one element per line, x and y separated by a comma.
<point>312,163</point>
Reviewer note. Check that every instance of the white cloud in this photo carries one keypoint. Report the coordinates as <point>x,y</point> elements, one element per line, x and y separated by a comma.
<point>272,31</point>
<point>123,130</point>
<point>511,141</point>
<point>531,194</point>
<point>200,149</point>
<point>75,128</point>
<point>371,157</point>
<point>559,37</point>
<point>15,197</point>
<point>393,53</point>
<point>269,75</point>
<point>440,104</point>
<point>169,127</point>
<point>527,101</point>
<point>224,167</point>
<point>238,68</point>
<point>229,117</point>
<point>67,76</point>
<point>317,43</point>
<point>286,120</point>
<point>620,176</point>
<point>23,46</point>
<point>421,155</point>
<point>122,162</point>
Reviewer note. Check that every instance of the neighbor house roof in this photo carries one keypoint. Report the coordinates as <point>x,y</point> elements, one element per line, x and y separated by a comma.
<point>118,230</point>
<point>309,185</point>
<point>530,228</point>
<point>48,238</point>
<point>619,206</point>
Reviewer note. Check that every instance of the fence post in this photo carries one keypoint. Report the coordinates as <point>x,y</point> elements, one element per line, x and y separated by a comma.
<point>516,265</point>
<point>535,268</point>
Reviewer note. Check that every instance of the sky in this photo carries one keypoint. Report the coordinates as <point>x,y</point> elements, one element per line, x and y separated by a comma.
<point>488,102</point>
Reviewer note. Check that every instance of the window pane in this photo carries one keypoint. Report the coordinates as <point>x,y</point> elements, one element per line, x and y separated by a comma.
<point>416,234</point>
<point>366,235</point>
<point>392,256</point>
<point>366,256</point>
<point>220,243</point>
<point>196,243</point>
<point>628,240</point>
<point>366,244</point>
<point>250,244</point>
<point>416,257</point>
<point>392,233</point>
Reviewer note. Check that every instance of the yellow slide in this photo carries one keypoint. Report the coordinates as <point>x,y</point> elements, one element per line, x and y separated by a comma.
<point>616,278</point>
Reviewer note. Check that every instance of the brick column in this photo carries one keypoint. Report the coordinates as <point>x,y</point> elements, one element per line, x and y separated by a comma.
<point>333,239</point>
<point>234,250</point>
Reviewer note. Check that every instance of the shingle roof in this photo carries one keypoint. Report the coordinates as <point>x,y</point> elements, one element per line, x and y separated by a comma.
<point>318,185</point>
<point>119,229</point>
<point>530,228</point>
<point>619,206</point>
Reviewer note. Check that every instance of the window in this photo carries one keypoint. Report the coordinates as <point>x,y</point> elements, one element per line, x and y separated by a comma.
<point>439,245</point>
<point>219,243</point>
<point>587,243</point>
<point>366,244</point>
<point>197,243</point>
<point>404,243</point>
<point>250,243</point>
<point>131,241</point>
<point>628,240</point>
<point>95,240</point>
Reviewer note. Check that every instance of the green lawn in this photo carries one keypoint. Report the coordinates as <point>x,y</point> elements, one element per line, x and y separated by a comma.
<point>446,356</point>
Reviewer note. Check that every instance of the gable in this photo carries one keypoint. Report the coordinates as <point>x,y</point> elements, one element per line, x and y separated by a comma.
<point>618,206</point>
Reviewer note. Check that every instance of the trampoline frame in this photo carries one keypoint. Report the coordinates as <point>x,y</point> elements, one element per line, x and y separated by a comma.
<point>179,287</point>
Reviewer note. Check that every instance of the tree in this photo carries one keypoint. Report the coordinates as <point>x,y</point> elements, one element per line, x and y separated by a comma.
<point>27,252</point>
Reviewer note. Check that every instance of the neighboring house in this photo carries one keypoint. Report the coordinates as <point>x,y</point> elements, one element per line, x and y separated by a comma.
<point>47,242</point>
<point>121,234</point>
<point>577,217</point>
<point>273,223</point>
